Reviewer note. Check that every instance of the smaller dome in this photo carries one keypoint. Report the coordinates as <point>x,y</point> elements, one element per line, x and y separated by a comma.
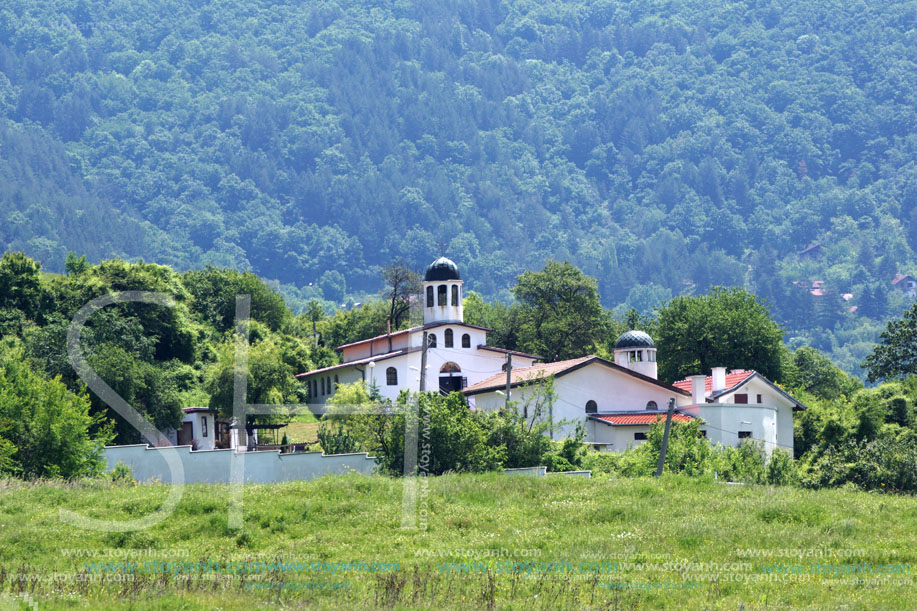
<point>441,269</point>
<point>634,339</point>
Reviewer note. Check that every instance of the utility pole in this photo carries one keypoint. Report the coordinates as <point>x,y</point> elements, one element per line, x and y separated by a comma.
<point>509,378</point>
<point>423,364</point>
<point>665,437</point>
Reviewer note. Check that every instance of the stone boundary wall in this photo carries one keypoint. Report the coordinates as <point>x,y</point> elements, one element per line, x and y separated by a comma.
<point>214,466</point>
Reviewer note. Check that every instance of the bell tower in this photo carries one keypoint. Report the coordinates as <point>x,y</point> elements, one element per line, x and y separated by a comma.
<point>442,292</point>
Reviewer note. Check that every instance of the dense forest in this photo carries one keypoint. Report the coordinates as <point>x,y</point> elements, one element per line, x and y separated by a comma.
<point>662,147</point>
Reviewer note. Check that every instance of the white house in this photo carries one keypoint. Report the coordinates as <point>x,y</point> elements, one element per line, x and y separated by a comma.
<point>203,429</point>
<point>457,353</point>
<point>617,402</point>
<point>742,404</point>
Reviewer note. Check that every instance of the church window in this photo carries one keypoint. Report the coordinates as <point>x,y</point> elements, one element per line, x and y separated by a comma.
<point>455,295</point>
<point>323,385</point>
<point>466,340</point>
<point>391,376</point>
<point>429,296</point>
<point>591,407</point>
<point>431,340</point>
<point>651,406</point>
<point>447,339</point>
<point>441,295</point>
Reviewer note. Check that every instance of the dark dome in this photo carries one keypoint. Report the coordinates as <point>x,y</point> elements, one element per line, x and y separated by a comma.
<point>441,269</point>
<point>634,339</point>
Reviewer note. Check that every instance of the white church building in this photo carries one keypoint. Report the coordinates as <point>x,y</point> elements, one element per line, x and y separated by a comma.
<point>458,355</point>
<point>615,401</point>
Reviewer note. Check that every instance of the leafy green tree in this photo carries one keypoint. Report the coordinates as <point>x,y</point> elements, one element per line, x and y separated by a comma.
<point>214,292</point>
<point>726,327</point>
<point>896,353</point>
<point>45,430</point>
<point>560,312</point>
<point>270,380</point>
<point>20,284</point>
<point>146,387</point>
<point>815,373</point>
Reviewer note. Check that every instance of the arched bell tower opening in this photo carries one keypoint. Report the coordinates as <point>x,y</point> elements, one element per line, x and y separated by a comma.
<point>442,292</point>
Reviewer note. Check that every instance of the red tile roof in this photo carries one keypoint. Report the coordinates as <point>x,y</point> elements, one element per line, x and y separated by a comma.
<point>632,419</point>
<point>733,379</point>
<point>899,277</point>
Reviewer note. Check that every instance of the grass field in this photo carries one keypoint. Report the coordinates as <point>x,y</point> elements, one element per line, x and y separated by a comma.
<point>491,541</point>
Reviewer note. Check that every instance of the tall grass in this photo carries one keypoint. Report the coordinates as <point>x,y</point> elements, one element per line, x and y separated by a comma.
<point>486,519</point>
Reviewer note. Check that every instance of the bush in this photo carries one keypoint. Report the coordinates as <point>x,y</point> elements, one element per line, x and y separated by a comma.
<point>335,438</point>
<point>450,436</point>
<point>122,474</point>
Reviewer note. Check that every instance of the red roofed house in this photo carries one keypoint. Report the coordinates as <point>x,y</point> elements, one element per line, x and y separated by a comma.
<point>616,402</point>
<point>742,404</point>
<point>906,283</point>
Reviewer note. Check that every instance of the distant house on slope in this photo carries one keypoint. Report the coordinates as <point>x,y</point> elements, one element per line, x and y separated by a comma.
<point>811,251</point>
<point>905,283</point>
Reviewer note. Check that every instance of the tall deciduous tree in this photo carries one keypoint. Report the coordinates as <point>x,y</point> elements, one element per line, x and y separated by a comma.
<point>401,283</point>
<point>562,316</point>
<point>725,328</point>
<point>896,353</point>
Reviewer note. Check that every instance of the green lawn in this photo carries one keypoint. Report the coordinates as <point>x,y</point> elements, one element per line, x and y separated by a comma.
<point>526,543</point>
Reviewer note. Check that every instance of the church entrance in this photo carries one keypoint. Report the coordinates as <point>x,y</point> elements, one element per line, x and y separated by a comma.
<point>450,378</point>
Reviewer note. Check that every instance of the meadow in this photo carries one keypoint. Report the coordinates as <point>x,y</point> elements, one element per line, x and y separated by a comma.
<point>483,542</point>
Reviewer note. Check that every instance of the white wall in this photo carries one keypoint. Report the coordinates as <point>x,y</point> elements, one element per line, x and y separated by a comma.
<point>772,418</point>
<point>613,391</point>
<point>214,467</point>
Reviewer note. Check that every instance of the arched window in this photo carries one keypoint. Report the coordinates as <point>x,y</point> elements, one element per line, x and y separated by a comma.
<point>391,376</point>
<point>466,340</point>
<point>323,385</point>
<point>328,384</point>
<point>429,296</point>
<point>431,340</point>
<point>447,340</point>
<point>651,406</point>
<point>455,294</point>
<point>591,407</point>
<point>450,367</point>
<point>335,381</point>
<point>441,295</point>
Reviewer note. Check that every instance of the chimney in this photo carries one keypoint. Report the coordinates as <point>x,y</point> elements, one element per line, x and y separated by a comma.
<point>698,393</point>
<point>719,379</point>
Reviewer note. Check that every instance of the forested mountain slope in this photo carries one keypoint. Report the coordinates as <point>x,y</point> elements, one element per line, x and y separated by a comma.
<point>663,147</point>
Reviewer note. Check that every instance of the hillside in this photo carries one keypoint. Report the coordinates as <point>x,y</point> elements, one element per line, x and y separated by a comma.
<point>490,543</point>
<point>662,147</point>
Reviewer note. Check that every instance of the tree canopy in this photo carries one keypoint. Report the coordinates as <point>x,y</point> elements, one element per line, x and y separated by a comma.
<point>725,328</point>
<point>662,147</point>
